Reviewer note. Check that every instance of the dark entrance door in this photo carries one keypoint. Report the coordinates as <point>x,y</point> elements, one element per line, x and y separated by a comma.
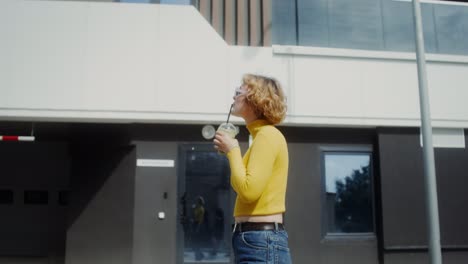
<point>204,206</point>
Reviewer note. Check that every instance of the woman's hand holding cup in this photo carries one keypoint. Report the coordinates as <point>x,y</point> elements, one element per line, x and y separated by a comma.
<point>225,138</point>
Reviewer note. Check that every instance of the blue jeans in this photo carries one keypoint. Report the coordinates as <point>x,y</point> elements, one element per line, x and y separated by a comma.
<point>269,247</point>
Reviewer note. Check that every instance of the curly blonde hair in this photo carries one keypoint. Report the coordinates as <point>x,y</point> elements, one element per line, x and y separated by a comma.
<point>266,97</point>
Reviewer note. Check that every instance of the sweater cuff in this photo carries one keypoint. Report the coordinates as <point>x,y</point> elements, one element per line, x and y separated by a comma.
<point>233,151</point>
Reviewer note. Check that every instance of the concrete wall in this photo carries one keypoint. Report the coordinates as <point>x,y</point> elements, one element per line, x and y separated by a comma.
<point>86,53</point>
<point>100,216</point>
<point>116,62</point>
<point>305,200</point>
<point>33,231</point>
<point>404,218</point>
<point>421,258</point>
<point>335,86</point>
<point>154,238</point>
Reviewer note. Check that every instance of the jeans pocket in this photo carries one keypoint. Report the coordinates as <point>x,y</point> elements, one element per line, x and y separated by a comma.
<point>255,240</point>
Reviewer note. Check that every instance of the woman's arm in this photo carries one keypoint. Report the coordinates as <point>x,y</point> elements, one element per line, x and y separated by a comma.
<point>249,181</point>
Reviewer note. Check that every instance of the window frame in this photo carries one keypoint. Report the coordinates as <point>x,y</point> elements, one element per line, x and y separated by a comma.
<point>345,149</point>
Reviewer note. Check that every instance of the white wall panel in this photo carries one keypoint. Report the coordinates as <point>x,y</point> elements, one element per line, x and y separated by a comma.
<point>383,87</point>
<point>42,54</point>
<point>121,57</point>
<point>110,61</point>
<point>448,91</point>
<point>327,87</point>
<point>192,62</point>
<point>389,89</point>
<point>116,62</point>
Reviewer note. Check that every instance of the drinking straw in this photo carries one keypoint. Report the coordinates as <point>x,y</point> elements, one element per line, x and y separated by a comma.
<point>230,108</point>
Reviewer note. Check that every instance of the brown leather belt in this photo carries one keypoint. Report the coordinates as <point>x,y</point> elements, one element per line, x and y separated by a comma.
<point>253,226</point>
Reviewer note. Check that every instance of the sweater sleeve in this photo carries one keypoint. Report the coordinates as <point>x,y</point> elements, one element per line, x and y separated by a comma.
<point>249,180</point>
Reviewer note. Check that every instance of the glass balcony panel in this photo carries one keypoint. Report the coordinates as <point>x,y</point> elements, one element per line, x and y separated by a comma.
<point>284,22</point>
<point>313,23</point>
<point>452,28</point>
<point>355,24</point>
<point>370,25</point>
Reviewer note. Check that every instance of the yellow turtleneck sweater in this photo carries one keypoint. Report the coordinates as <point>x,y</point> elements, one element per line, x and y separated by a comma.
<point>260,178</point>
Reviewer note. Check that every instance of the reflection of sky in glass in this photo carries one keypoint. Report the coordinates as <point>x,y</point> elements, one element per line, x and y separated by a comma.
<point>176,2</point>
<point>284,23</point>
<point>135,1</point>
<point>355,24</point>
<point>452,29</point>
<point>370,25</point>
<point>339,166</point>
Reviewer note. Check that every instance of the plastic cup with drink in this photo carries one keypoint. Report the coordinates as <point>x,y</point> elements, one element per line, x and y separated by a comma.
<point>228,128</point>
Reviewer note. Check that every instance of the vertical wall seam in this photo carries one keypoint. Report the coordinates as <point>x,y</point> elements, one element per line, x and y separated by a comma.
<point>211,12</point>
<point>223,20</point>
<point>262,43</point>
<point>296,16</point>
<point>436,37</point>
<point>236,19</point>
<point>248,18</point>
<point>382,21</point>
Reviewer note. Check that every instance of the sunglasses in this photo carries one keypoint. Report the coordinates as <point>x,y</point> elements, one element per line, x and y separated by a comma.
<point>238,91</point>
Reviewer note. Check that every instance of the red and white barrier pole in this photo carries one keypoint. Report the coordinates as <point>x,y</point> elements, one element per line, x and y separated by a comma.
<point>17,138</point>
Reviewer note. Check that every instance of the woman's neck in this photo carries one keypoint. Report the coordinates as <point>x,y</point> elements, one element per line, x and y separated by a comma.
<point>250,119</point>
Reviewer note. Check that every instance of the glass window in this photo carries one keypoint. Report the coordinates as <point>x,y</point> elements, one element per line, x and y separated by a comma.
<point>370,25</point>
<point>135,1</point>
<point>36,197</point>
<point>63,198</point>
<point>313,23</point>
<point>169,2</point>
<point>348,195</point>
<point>355,24</point>
<point>6,197</point>
<point>205,206</point>
<point>397,19</point>
<point>452,28</point>
<point>284,22</point>
<point>175,2</point>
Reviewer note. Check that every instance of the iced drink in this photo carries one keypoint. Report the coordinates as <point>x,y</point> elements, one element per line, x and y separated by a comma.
<point>229,129</point>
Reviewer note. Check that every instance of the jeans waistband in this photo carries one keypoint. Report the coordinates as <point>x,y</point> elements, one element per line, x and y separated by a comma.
<point>254,226</point>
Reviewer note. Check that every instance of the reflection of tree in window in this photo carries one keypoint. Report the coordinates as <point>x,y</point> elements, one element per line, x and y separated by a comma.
<point>353,207</point>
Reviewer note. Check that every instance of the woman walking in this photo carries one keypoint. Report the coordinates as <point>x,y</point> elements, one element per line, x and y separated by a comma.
<point>259,178</point>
